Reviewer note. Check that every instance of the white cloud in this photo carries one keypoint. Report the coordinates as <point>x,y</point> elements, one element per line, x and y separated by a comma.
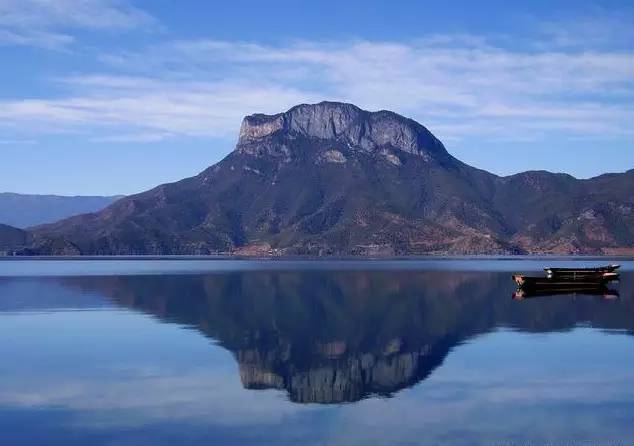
<point>176,108</point>
<point>459,86</point>
<point>135,137</point>
<point>602,29</point>
<point>42,39</point>
<point>17,142</point>
<point>46,23</point>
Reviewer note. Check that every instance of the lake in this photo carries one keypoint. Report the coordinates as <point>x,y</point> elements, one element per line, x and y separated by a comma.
<point>427,351</point>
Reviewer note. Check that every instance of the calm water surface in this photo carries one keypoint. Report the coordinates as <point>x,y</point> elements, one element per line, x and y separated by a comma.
<point>344,353</point>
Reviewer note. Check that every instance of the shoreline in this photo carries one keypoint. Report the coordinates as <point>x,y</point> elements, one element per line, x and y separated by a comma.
<point>474,257</point>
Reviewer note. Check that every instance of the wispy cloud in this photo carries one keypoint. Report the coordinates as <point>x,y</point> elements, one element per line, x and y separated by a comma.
<point>17,142</point>
<point>149,106</point>
<point>135,137</point>
<point>459,87</point>
<point>567,81</point>
<point>48,23</point>
<point>603,29</point>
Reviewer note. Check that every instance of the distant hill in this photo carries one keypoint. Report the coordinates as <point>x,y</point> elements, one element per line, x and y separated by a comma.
<point>22,211</point>
<point>11,238</point>
<point>332,179</point>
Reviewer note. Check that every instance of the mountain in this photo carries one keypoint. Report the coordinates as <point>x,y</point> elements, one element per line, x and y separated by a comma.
<point>332,179</point>
<point>22,210</point>
<point>12,238</point>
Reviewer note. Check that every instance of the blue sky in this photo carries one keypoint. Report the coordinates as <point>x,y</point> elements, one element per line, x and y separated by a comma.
<point>117,96</point>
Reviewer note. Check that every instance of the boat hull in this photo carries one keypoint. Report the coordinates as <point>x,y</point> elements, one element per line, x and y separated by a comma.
<point>580,273</point>
<point>588,282</point>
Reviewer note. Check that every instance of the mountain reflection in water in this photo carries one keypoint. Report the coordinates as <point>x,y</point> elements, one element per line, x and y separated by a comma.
<point>333,337</point>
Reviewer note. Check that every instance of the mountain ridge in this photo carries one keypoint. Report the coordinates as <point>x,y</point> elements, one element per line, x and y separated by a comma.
<point>11,238</point>
<point>333,179</point>
<point>26,210</point>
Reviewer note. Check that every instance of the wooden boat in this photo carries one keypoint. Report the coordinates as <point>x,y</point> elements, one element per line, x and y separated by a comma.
<point>580,272</point>
<point>586,282</point>
<point>567,281</point>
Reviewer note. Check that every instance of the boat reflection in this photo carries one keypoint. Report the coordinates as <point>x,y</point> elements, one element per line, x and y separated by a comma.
<point>334,337</point>
<point>604,292</point>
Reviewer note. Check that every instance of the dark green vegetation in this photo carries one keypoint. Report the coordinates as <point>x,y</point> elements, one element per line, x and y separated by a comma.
<point>22,210</point>
<point>332,179</point>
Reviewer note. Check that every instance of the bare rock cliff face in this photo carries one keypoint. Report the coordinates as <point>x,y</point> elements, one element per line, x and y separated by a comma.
<point>342,123</point>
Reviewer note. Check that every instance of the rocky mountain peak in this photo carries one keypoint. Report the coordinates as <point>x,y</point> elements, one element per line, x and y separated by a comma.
<point>333,179</point>
<point>339,122</point>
